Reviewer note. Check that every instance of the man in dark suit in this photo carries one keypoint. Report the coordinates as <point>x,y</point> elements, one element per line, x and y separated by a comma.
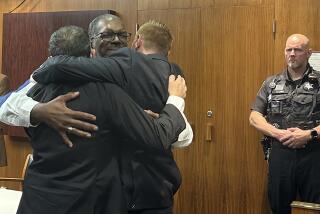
<point>150,177</point>
<point>85,179</point>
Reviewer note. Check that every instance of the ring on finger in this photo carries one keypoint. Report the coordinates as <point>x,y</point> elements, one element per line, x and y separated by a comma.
<point>69,128</point>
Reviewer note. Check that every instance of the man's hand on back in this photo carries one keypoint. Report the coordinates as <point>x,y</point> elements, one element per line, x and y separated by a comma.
<point>177,86</point>
<point>56,114</point>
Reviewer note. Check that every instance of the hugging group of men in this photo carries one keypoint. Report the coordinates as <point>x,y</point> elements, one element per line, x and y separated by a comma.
<point>119,109</point>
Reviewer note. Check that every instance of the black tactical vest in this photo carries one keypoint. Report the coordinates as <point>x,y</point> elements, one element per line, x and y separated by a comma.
<point>294,105</point>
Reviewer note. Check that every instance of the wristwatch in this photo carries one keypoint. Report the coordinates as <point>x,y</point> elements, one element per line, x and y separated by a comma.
<point>314,135</point>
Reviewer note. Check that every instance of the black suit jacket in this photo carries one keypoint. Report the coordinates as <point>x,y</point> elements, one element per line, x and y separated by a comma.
<point>85,179</point>
<point>150,177</point>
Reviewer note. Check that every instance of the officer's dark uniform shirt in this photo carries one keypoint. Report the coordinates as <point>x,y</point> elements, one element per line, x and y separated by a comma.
<point>85,179</point>
<point>150,177</point>
<point>288,103</point>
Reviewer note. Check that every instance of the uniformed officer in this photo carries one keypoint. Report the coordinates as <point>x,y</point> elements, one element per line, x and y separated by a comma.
<point>287,110</point>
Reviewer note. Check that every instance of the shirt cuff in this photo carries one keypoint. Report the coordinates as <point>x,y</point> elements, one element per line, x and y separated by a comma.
<point>177,102</point>
<point>27,107</point>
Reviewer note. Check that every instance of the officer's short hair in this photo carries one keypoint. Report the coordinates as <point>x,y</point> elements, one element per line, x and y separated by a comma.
<point>156,36</point>
<point>69,40</point>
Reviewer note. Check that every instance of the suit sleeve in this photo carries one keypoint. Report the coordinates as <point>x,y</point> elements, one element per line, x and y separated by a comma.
<point>82,70</point>
<point>186,136</point>
<point>131,121</point>
<point>176,70</point>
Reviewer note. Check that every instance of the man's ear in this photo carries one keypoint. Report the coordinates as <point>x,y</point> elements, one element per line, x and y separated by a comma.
<point>133,44</point>
<point>170,48</point>
<point>309,52</point>
<point>140,41</point>
<point>137,43</point>
<point>93,53</point>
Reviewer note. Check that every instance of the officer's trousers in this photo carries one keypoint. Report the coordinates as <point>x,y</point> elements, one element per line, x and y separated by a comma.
<point>292,172</point>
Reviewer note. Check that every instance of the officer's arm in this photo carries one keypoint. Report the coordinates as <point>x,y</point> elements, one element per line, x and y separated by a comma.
<point>258,121</point>
<point>259,109</point>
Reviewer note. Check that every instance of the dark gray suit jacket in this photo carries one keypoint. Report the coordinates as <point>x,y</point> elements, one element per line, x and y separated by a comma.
<point>86,179</point>
<point>150,176</point>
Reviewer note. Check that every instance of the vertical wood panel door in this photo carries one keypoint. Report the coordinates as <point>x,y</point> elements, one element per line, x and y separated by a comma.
<point>296,16</point>
<point>238,45</point>
<point>226,53</point>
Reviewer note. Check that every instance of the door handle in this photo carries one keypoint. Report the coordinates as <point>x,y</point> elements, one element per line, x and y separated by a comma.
<point>209,132</point>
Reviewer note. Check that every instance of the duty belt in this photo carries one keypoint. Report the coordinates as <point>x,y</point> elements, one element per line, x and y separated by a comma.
<point>309,146</point>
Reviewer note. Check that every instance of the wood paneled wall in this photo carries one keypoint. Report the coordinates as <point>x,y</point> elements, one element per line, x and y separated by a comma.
<point>226,48</point>
<point>292,17</point>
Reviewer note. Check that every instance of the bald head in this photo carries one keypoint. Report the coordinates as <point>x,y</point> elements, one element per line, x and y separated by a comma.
<point>298,39</point>
<point>297,53</point>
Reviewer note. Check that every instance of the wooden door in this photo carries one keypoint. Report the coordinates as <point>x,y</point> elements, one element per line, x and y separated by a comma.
<point>238,55</point>
<point>296,16</point>
<point>226,52</point>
